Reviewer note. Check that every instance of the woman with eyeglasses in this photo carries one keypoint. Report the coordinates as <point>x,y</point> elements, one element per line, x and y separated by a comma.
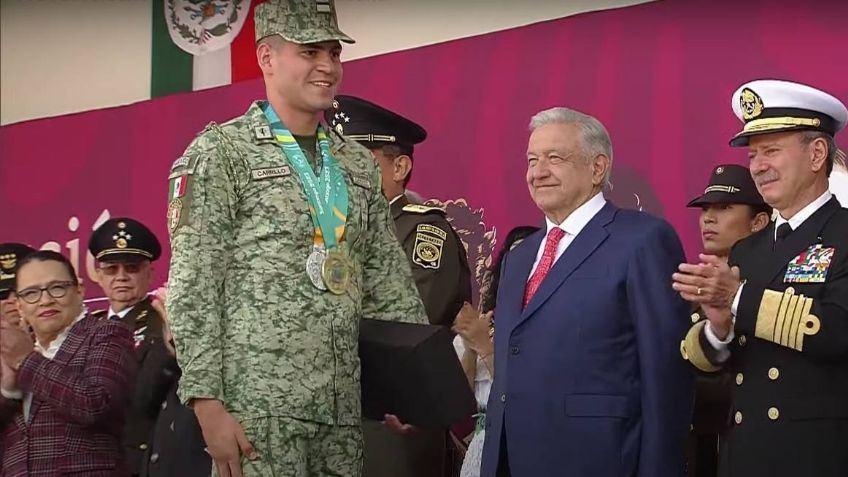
<point>65,393</point>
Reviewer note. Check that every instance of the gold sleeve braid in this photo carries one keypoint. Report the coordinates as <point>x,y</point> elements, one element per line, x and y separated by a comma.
<point>691,350</point>
<point>784,318</point>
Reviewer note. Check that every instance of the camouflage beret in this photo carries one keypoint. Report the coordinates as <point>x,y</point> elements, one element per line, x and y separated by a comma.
<point>299,21</point>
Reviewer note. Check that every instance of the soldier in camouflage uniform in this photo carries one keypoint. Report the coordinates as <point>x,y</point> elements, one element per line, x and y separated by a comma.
<point>268,348</point>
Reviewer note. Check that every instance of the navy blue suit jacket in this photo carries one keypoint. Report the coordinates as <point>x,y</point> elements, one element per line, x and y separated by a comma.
<point>589,380</point>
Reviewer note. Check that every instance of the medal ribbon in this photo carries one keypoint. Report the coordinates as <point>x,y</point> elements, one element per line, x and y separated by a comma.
<point>327,192</point>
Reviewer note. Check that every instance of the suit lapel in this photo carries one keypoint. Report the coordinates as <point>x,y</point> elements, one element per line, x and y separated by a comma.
<point>799,239</point>
<point>517,270</point>
<point>583,245</point>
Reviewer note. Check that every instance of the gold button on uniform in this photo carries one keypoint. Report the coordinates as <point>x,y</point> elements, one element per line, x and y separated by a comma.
<point>739,379</point>
<point>695,317</point>
<point>738,417</point>
<point>143,447</point>
<point>773,413</point>
<point>773,373</point>
<point>742,340</point>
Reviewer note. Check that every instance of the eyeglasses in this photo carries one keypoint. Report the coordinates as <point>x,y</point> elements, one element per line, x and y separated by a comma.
<point>5,293</point>
<point>55,290</point>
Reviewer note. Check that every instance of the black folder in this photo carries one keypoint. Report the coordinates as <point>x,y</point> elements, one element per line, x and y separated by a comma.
<point>413,372</point>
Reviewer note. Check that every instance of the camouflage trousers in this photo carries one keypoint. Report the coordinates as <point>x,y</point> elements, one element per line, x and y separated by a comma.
<point>294,448</point>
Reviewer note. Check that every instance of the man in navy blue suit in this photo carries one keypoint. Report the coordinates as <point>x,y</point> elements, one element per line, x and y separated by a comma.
<point>588,375</point>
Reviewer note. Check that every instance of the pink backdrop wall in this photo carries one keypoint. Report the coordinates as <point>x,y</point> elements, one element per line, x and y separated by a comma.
<point>659,76</point>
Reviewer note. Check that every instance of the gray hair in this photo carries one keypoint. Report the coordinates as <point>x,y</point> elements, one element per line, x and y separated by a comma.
<point>595,137</point>
<point>833,155</point>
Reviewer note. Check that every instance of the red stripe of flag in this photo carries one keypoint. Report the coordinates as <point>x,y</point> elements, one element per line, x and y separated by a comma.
<point>243,49</point>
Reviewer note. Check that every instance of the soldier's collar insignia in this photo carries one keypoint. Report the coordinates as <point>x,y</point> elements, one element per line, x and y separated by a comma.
<point>262,132</point>
<point>751,104</point>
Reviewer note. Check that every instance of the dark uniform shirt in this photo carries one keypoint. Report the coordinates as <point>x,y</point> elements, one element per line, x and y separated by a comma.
<point>789,359</point>
<point>157,374</point>
<point>440,269</point>
<point>437,257</point>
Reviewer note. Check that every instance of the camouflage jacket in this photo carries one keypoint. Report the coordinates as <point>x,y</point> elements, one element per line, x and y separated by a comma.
<point>250,328</point>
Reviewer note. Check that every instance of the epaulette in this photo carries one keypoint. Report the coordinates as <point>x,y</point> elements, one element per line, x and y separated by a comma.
<point>422,209</point>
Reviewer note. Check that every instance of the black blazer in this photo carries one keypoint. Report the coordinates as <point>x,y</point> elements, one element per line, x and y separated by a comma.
<point>790,355</point>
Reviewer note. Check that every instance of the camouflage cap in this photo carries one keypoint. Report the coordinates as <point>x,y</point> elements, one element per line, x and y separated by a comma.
<point>299,21</point>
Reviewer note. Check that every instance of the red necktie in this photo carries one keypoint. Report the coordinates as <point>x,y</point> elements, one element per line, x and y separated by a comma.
<point>548,255</point>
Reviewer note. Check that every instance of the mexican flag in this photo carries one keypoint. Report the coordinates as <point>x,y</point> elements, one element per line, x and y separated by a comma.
<point>201,44</point>
<point>177,187</point>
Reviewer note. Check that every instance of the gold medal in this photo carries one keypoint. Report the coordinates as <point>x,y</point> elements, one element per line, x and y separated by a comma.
<point>337,271</point>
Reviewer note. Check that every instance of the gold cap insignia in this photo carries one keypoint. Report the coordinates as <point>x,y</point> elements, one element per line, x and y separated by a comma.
<point>8,261</point>
<point>122,237</point>
<point>751,104</point>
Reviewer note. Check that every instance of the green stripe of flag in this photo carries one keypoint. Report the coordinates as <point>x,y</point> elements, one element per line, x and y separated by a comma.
<point>171,68</point>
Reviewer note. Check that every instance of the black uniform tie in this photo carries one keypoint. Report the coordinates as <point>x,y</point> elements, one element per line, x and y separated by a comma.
<point>783,231</point>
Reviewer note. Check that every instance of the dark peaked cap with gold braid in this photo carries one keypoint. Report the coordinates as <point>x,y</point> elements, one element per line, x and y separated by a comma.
<point>124,239</point>
<point>370,123</point>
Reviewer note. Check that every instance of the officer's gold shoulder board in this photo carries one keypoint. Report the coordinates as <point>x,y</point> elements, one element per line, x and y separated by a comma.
<point>421,209</point>
<point>429,242</point>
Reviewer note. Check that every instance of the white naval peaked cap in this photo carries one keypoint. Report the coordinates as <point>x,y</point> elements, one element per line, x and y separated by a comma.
<point>769,106</point>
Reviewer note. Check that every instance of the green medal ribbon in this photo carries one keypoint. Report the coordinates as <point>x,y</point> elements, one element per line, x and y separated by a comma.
<point>327,192</point>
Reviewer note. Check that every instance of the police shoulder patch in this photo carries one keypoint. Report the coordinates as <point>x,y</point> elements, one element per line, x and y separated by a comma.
<point>429,242</point>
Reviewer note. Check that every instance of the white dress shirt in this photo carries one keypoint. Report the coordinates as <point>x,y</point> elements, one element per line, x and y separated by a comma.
<point>795,221</point>
<point>49,352</point>
<point>121,314</point>
<point>572,225</point>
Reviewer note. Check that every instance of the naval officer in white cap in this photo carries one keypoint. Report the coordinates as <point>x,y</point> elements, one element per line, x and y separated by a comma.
<point>777,315</point>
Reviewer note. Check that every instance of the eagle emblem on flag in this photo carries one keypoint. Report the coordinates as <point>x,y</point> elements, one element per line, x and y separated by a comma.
<point>202,26</point>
